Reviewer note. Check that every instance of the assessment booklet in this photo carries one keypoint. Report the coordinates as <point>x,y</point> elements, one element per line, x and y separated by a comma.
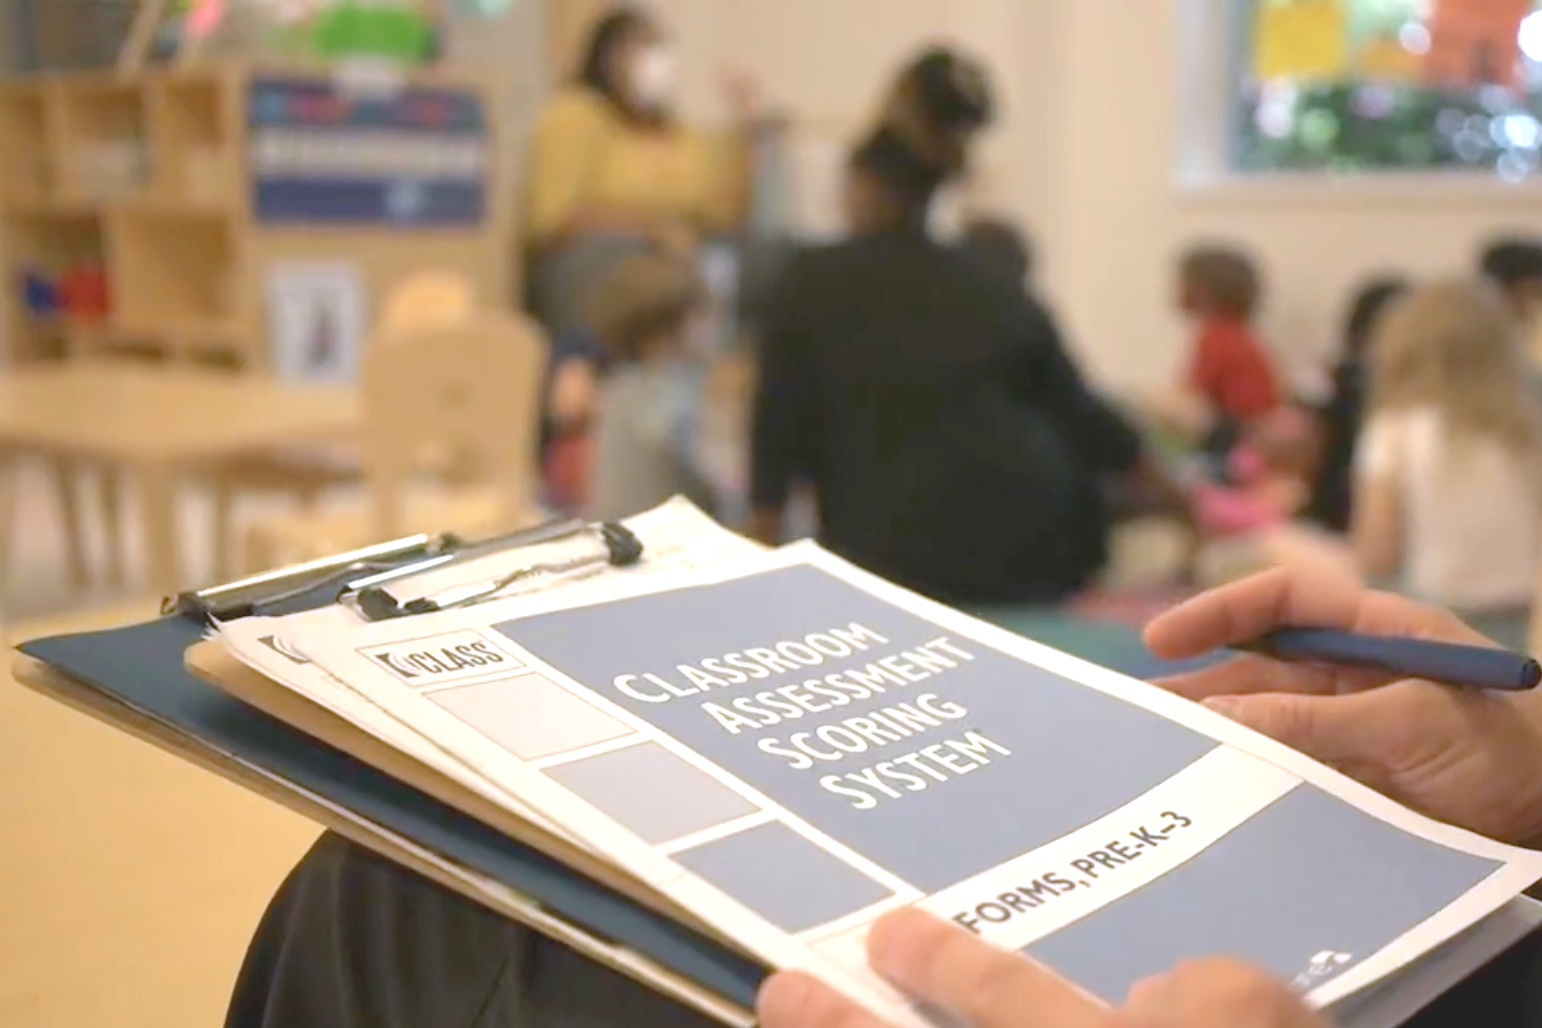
<point>787,747</point>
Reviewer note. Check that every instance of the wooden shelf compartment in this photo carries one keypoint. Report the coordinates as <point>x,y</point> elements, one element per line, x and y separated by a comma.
<point>26,159</point>
<point>222,343</point>
<point>172,270</point>
<point>103,142</point>
<point>192,128</point>
<point>50,242</point>
<point>44,245</point>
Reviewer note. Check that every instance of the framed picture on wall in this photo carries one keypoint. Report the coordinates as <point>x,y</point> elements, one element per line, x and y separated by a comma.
<point>318,314</point>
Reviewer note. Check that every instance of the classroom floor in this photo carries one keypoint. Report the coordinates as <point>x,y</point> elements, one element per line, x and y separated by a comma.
<point>130,881</point>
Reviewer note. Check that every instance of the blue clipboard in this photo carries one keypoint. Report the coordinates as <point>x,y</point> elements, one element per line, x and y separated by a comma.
<point>141,667</point>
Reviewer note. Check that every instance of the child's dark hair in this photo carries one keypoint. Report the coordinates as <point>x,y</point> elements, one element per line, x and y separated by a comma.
<point>1000,247</point>
<point>1228,278</point>
<point>1370,301</point>
<point>1509,262</point>
<point>646,296</point>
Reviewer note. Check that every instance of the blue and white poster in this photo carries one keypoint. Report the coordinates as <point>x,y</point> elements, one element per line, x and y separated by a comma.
<point>322,155</point>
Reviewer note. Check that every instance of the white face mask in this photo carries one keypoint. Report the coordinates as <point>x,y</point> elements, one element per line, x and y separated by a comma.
<point>653,76</point>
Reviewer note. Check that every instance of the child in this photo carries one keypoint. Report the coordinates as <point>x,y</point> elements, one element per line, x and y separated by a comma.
<point>647,315</point>
<point>1448,473</point>
<point>571,396</point>
<point>1000,247</point>
<point>1231,379</point>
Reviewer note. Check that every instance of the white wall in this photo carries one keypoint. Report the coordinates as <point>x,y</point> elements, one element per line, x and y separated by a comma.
<point>511,50</point>
<point>1085,155</point>
<point>827,61</point>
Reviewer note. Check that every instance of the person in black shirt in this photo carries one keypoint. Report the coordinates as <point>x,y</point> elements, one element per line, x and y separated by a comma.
<point>950,441</point>
<point>1331,499</point>
<point>999,246</point>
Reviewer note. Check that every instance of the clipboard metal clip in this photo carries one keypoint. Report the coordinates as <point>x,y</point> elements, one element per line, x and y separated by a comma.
<point>247,596</point>
<point>618,546</point>
<point>360,577</point>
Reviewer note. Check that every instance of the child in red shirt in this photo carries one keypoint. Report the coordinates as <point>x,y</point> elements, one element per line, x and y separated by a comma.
<point>1230,370</point>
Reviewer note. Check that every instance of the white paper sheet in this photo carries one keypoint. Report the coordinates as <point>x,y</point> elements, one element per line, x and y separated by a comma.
<point>1053,806</point>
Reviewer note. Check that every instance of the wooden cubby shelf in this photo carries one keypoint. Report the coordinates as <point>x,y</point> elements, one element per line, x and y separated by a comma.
<point>128,222</point>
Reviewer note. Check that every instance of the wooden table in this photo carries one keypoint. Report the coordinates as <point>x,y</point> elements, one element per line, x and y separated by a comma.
<point>159,422</point>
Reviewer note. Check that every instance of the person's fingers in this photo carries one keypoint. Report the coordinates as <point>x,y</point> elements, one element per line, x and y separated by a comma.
<point>1349,732</point>
<point>1248,675</point>
<point>1217,992</point>
<point>1251,674</point>
<point>1149,997</point>
<point>792,999</point>
<point>1282,597</point>
<point>1384,613</point>
<point>945,966</point>
<point>1249,608</point>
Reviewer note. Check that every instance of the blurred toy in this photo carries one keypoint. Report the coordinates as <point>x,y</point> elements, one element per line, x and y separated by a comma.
<point>393,31</point>
<point>83,292</point>
<point>39,294</point>
<point>1267,476</point>
<point>201,18</point>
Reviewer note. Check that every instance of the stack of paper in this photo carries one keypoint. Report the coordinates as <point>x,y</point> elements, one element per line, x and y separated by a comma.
<point>777,748</point>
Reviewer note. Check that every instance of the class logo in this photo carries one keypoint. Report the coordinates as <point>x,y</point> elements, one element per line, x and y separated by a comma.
<point>440,659</point>
<point>1321,967</point>
<point>284,649</point>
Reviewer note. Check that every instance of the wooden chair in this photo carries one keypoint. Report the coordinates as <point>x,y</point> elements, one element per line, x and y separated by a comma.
<point>428,298</point>
<point>452,414</point>
<point>419,300</point>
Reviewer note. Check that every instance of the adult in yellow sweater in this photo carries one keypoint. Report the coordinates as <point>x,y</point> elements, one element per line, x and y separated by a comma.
<point>612,170</point>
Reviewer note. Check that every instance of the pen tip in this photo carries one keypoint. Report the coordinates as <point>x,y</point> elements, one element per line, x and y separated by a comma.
<point>1531,674</point>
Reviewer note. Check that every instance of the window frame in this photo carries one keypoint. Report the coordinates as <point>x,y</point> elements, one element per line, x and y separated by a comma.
<point>1212,49</point>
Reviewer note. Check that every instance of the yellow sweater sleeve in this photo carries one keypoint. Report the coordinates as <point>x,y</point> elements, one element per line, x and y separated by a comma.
<point>566,150</point>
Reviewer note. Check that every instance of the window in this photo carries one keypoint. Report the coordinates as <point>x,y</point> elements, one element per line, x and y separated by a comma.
<point>1407,86</point>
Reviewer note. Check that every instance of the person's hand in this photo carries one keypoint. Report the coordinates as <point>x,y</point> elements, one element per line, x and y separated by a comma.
<point>1177,410</point>
<point>765,526</point>
<point>574,394</point>
<point>984,987</point>
<point>1216,993</point>
<point>1470,758</point>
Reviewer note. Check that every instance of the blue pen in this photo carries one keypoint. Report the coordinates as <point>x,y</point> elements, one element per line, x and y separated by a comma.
<point>1466,667</point>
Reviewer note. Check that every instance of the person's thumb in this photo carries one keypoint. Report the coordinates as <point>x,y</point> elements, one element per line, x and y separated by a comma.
<point>1323,727</point>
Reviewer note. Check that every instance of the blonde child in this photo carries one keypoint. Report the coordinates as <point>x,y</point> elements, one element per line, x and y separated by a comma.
<point>1448,471</point>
